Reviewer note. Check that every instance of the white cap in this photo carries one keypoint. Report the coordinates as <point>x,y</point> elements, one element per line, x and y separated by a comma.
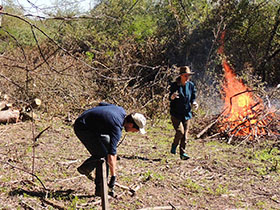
<point>140,121</point>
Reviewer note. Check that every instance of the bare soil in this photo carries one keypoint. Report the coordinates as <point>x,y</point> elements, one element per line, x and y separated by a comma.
<point>218,175</point>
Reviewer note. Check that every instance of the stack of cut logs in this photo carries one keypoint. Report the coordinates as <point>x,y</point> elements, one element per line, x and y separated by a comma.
<point>11,114</point>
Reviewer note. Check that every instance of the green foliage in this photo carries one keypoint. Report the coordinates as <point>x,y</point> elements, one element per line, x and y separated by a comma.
<point>142,27</point>
<point>75,200</point>
<point>221,189</point>
<point>133,44</point>
<point>248,23</point>
<point>193,186</point>
<point>153,175</point>
<point>270,160</point>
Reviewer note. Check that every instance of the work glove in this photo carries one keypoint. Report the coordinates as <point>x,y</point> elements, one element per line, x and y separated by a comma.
<point>111,185</point>
<point>195,105</point>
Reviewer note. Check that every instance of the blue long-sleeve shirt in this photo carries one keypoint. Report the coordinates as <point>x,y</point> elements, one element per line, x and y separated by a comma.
<point>180,107</point>
<point>105,119</point>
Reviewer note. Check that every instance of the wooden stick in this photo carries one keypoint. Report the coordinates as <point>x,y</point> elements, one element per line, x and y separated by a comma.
<point>206,129</point>
<point>210,125</point>
<point>122,186</point>
<point>104,195</point>
<point>130,190</point>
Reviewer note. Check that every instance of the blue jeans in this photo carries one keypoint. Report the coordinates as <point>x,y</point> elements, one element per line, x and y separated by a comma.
<point>97,145</point>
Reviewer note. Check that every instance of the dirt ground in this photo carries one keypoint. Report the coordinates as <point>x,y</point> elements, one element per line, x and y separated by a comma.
<point>218,175</point>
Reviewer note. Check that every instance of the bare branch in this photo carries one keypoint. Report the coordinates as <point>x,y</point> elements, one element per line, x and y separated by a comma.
<point>21,169</point>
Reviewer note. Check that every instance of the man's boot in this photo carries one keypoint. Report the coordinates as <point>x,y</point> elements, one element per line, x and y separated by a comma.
<point>88,166</point>
<point>173,149</point>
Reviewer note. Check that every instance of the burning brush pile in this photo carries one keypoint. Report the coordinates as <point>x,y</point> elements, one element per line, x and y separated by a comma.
<point>245,115</point>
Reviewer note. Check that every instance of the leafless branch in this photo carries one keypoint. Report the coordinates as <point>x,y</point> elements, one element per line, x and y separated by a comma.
<point>32,174</point>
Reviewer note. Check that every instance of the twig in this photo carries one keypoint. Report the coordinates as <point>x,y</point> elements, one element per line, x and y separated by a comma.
<point>210,125</point>
<point>173,207</point>
<point>214,135</point>
<point>123,186</point>
<point>26,172</point>
<point>38,136</point>
<point>25,205</point>
<point>130,190</point>
<point>206,128</point>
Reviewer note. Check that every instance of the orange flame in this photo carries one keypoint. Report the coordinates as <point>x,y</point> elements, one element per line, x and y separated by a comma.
<point>242,108</point>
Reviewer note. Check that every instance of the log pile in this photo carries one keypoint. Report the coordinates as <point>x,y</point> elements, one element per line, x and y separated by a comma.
<point>12,114</point>
<point>8,114</point>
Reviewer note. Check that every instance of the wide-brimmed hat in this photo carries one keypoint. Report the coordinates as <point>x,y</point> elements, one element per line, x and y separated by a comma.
<point>140,121</point>
<point>185,70</point>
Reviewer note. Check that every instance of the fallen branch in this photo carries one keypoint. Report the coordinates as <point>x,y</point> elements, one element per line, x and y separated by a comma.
<point>206,128</point>
<point>131,191</point>
<point>210,125</point>
<point>124,187</point>
<point>26,172</point>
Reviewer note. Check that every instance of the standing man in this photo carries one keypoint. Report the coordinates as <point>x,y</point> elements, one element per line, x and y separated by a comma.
<point>182,97</point>
<point>100,130</point>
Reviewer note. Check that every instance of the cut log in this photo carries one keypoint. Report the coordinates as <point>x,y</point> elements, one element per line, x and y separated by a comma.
<point>35,103</point>
<point>9,116</point>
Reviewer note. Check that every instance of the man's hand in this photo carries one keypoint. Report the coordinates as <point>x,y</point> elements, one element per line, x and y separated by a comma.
<point>111,185</point>
<point>174,95</point>
<point>195,105</point>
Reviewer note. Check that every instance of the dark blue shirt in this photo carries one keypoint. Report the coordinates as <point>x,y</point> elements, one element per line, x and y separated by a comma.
<point>180,107</point>
<point>105,119</point>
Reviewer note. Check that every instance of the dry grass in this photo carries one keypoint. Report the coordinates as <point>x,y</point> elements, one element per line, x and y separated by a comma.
<point>218,176</point>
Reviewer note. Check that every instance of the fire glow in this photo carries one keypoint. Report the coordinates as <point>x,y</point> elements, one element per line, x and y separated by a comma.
<point>241,107</point>
<point>243,113</point>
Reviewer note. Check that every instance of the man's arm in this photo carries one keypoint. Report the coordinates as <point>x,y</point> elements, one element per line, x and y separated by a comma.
<point>112,161</point>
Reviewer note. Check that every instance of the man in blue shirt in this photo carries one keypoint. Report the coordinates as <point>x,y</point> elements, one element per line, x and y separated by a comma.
<point>100,130</point>
<point>182,98</point>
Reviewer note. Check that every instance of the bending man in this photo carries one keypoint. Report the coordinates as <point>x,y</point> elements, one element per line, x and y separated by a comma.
<point>100,130</point>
